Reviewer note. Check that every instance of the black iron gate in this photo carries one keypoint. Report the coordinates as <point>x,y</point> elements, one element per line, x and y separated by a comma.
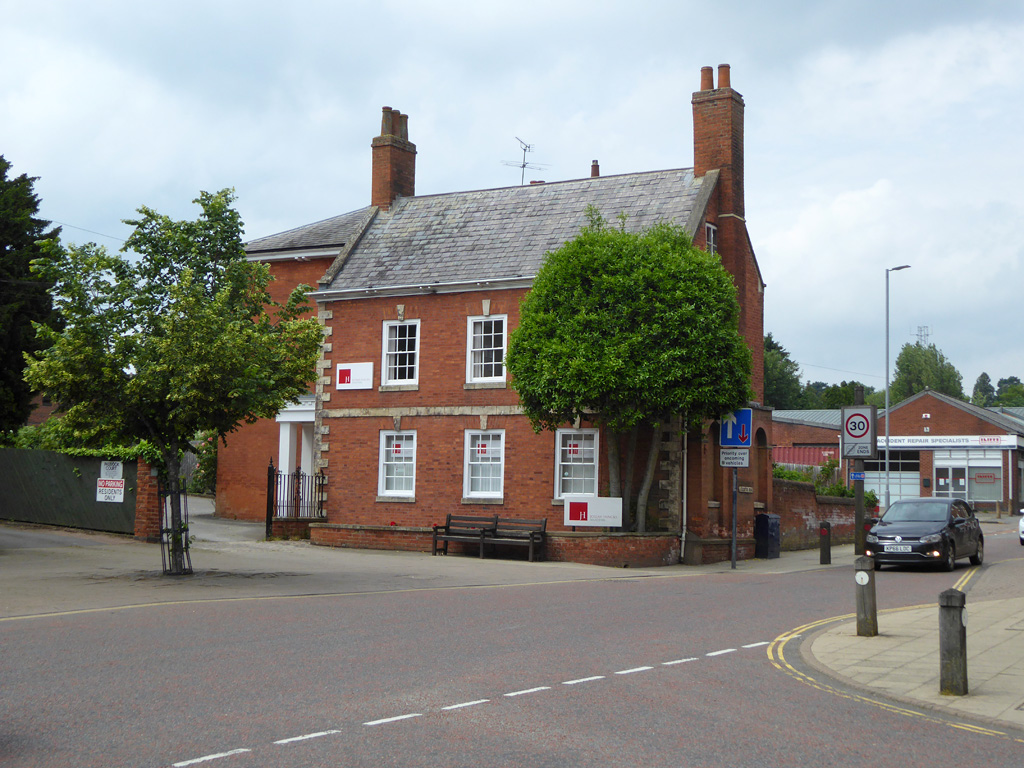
<point>174,536</point>
<point>294,495</point>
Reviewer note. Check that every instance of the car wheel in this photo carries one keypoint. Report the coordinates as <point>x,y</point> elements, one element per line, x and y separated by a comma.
<point>878,565</point>
<point>979,556</point>
<point>949,561</point>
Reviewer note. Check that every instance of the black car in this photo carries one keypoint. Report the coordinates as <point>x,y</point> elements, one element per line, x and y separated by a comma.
<point>932,530</point>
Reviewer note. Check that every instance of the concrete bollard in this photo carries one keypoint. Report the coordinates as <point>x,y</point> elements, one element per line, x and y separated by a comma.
<point>867,607</point>
<point>953,643</point>
<point>825,535</point>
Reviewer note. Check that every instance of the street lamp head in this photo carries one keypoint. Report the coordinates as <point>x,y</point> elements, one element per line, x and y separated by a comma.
<point>897,269</point>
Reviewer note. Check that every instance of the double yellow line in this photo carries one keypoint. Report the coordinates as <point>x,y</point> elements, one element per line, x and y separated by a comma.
<point>777,656</point>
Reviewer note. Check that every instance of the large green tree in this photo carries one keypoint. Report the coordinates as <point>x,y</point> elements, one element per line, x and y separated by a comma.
<point>23,296</point>
<point>1010,393</point>
<point>626,330</point>
<point>920,367</point>
<point>782,388</point>
<point>174,336</point>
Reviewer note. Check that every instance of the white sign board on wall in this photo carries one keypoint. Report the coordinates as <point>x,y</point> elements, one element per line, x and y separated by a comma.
<point>598,511</point>
<point>110,490</point>
<point>354,376</point>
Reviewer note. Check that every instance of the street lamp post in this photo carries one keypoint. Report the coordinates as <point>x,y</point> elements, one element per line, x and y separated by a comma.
<point>887,271</point>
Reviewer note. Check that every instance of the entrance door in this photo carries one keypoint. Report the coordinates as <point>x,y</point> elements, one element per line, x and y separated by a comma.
<point>951,482</point>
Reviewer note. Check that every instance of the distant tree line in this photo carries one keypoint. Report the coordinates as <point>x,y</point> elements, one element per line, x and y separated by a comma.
<point>918,367</point>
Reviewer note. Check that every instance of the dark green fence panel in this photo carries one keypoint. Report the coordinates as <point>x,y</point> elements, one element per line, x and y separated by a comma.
<point>55,489</point>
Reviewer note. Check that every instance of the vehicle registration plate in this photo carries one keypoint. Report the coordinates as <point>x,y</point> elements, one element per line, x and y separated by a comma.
<point>897,547</point>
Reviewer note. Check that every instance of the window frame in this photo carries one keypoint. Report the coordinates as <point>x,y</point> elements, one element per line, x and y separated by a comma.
<point>467,464</point>
<point>470,349</point>
<point>385,379</point>
<point>710,237</point>
<point>559,434</point>
<point>382,464</point>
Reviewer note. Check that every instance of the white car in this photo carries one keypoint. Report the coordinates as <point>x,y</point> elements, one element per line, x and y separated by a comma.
<point>1020,528</point>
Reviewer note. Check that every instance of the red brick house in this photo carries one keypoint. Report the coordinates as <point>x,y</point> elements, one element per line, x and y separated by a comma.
<point>415,416</point>
<point>939,446</point>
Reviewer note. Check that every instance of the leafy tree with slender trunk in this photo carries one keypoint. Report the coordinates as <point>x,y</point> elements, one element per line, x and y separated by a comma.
<point>626,330</point>
<point>781,377</point>
<point>984,394</point>
<point>921,367</point>
<point>179,337</point>
<point>23,296</point>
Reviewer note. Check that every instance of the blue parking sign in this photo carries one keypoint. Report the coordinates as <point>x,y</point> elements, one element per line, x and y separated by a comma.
<point>736,428</point>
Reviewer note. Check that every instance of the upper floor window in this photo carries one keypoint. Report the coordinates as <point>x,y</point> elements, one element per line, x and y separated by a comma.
<point>484,464</point>
<point>397,470</point>
<point>576,462</point>
<point>401,352</point>
<point>711,238</point>
<point>485,359</point>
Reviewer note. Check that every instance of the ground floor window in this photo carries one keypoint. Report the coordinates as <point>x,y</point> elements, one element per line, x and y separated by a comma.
<point>483,472</point>
<point>397,475</point>
<point>576,462</point>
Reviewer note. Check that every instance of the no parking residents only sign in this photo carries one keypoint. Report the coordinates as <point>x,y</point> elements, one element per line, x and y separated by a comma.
<point>110,485</point>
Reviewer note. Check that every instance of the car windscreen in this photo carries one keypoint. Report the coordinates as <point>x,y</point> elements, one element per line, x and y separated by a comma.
<point>917,512</point>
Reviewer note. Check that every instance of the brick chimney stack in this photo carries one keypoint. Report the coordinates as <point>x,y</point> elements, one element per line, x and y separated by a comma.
<point>394,160</point>
<point>718,136</point>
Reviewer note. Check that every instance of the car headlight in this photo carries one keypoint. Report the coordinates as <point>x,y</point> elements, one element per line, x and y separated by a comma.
<point>871,538</point>
<point>932,538</point>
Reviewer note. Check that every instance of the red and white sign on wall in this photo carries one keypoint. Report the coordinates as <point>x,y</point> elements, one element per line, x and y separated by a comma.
<point>354,376</point>
<point>110,490</point>
<point>598,511</point>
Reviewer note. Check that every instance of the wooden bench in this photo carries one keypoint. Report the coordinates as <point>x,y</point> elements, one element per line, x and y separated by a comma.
<point>523,533</point>
<point>468,528</point>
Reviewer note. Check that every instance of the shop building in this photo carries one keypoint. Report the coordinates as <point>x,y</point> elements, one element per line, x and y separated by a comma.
<point>938,446</point>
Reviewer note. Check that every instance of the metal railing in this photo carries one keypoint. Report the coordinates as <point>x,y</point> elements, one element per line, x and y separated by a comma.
<point>295,494</point>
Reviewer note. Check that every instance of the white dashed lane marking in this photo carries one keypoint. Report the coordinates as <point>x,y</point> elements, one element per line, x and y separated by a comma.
<point>394,719</point>
<point>306,737</point>
<point>584,680</point>
<point>631,671</point>
<point>465,704</point>
<point>530,690</point>
<point>207,758</point>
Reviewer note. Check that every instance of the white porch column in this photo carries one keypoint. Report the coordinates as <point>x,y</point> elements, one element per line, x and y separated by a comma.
<point>286,447</point>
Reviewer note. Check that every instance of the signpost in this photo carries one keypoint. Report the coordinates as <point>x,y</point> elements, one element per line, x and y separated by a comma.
<point>860,441</point>
<point>734,439</point>
<point>859,434</point>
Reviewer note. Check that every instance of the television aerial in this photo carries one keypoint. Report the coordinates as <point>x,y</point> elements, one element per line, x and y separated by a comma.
<point>523,165</point>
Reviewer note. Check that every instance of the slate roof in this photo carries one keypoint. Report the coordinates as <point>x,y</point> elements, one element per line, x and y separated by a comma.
<point>492,234</point>
<point>829,418</point>
<point>329,233</point>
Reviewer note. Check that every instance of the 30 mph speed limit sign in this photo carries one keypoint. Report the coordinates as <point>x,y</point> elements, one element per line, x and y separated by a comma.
<point>859,433</point>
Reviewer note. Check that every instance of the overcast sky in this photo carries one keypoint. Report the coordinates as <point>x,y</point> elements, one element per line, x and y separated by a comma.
<point>877,133</point>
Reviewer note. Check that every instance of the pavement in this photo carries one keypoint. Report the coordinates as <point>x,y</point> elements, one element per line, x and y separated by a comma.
<point>43,570</point>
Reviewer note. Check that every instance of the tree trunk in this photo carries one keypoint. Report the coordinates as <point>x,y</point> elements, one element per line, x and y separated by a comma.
<point>645,488</point>
<point>172,465</point>
<point>627,486</point>
<point>614,475</point>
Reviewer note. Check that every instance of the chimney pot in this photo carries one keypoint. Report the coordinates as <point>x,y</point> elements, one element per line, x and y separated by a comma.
<point>723,76</point>
<point>707,79</point>
<point>386,121</point>
<point>595,169</point>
